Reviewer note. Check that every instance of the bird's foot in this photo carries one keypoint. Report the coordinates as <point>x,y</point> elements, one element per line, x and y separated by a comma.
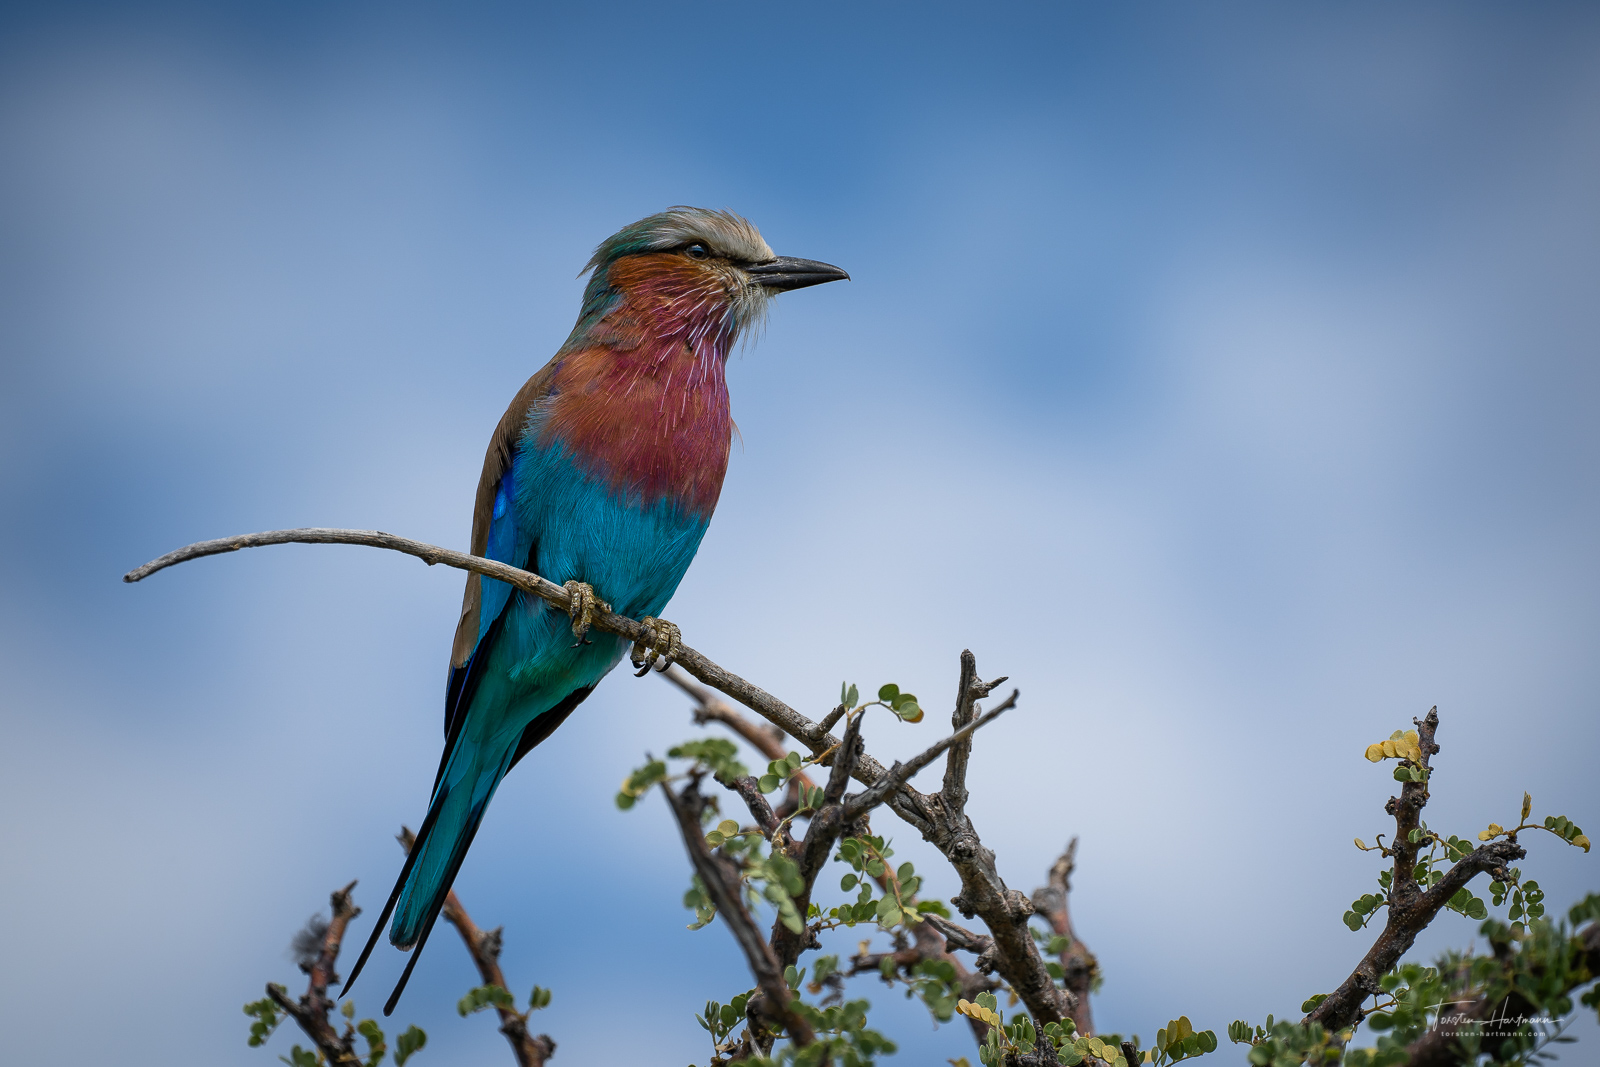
<point>581,606</point>
<point>661,639</point>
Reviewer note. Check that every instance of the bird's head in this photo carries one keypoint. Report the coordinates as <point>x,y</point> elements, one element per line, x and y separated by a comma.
<point>705,272</point>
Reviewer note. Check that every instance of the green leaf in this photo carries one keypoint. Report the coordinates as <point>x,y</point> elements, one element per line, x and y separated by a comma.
<point>299,1057</point>
<point>768,783</point>
<point>848,882</point>
<point>852,698</point>
<point>408,1043</point>
<point>369,1029</point>
<point>539,998</point>
<point>484,996</point>
<point>888,693</point>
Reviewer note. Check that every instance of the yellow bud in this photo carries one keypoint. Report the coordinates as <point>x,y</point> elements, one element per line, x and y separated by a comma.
<point>1484,836</point>
<point>1375,753</point>
<point>1527,805</point>
<point>1362,845</point>
<point>1496,828</point>
<point>1411,735</point>
<point>1582,841</point>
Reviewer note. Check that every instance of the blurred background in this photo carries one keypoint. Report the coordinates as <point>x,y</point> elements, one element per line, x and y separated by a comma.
<point>1223,374</point>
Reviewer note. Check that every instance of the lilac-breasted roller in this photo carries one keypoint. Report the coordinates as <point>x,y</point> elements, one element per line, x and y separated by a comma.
<point>602,474</point>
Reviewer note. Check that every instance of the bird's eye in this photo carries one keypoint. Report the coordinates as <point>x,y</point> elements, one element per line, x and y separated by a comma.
<point>697,251</point>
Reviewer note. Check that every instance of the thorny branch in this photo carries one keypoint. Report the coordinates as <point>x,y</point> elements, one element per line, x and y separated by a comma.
<point>1007,950</point>
<point>1411,908</point>
<point>940,817</point>
<point>484,947</point>
<point>901,773</point>
<point>1078,964</point>
<point>838,815</point>
<point>310,1012</point>
<point>983,892</point>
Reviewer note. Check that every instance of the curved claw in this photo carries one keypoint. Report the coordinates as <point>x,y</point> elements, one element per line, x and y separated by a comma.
<point>665,641</point>
<point>581,606</point>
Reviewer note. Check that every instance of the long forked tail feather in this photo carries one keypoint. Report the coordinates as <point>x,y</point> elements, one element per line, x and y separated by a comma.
<point>459,830</point>
<point>438,893</point>
<point>430,869</point>
<point>394,896</point>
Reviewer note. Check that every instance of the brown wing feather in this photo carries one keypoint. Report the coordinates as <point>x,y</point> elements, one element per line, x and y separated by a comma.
<point>495,462</point>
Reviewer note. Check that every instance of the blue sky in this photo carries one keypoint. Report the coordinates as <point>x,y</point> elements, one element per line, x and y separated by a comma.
<point>1224,374</point>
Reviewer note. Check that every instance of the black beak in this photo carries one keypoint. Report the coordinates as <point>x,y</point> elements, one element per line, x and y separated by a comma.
<point>786,272</point>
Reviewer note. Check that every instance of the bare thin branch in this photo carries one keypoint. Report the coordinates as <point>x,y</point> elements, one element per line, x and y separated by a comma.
<point>960,937</point>
<point>769,707</point>
<point>830,720</point>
